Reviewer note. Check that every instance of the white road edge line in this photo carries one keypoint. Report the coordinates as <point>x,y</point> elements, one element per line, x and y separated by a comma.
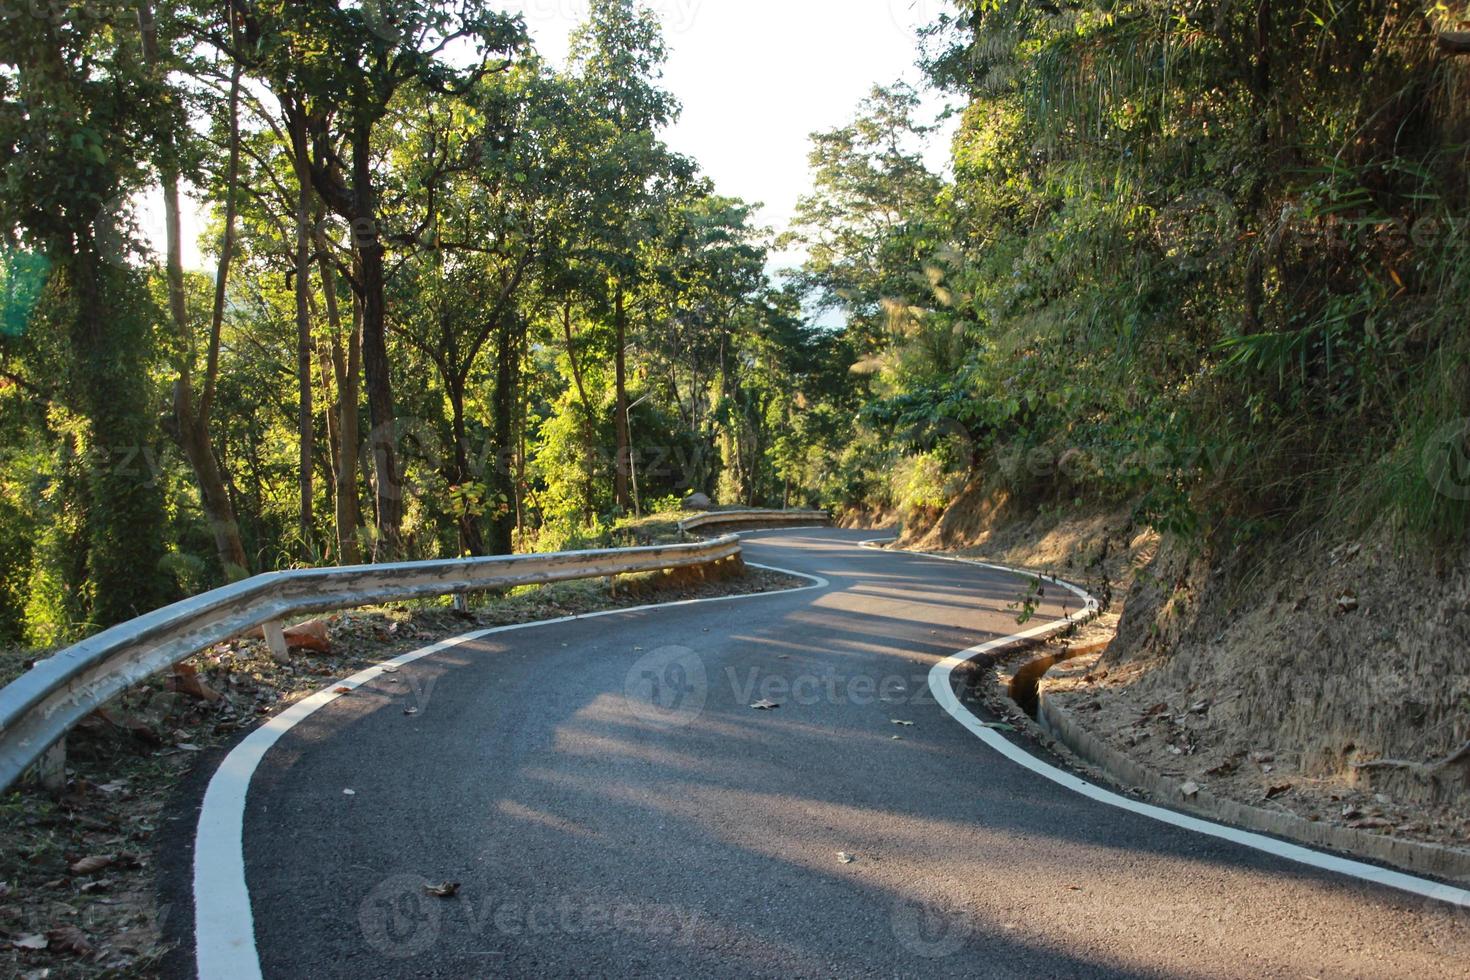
<point>224,926</point>
<point>941,686</point>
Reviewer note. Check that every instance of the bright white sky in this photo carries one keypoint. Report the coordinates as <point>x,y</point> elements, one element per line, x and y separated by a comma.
<point>756,78</point>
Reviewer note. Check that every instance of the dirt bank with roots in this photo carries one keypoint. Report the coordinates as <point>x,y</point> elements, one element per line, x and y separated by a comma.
<point>1326,676</point>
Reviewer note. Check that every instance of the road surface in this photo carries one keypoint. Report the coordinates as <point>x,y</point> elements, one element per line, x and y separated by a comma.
<point>610,804</point>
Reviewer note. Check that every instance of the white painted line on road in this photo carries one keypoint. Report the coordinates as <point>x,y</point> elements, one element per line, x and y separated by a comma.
<point>942,687</point>
<point>224,926</point>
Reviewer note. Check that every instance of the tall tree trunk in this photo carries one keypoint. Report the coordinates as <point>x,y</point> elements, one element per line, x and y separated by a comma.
<point>326,349</point>
<point>471,541</point>
<point>305,423</point>
<point>509,334</point>
<point>622,462</point>
<point>589,431</point>
<point>191,414</point>
<point>346,370</point>
<point>376,369</point>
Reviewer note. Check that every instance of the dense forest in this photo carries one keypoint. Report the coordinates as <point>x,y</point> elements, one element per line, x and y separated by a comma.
<point>1207,258</point>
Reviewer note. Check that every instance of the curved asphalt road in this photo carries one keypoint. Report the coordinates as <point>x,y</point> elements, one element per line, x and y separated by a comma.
<point>613,806</point>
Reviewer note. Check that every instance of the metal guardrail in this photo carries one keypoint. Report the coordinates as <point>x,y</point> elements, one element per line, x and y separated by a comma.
<point>753,516</point>
<point>42,705</point>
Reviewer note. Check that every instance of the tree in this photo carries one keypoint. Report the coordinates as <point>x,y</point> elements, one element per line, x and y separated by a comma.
<point>336,72</point>
<point>191,408</point>
<point>79,116</point>
<point>617,56</point>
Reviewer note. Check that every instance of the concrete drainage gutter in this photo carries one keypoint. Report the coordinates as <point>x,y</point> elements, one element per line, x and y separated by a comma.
<point>1422,858</point>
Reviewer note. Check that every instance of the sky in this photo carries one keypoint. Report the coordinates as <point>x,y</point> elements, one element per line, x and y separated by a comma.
<point>756,78</point>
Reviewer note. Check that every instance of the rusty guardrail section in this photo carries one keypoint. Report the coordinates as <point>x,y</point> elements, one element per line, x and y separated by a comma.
<point>42,705</point>
<point>715,517</point>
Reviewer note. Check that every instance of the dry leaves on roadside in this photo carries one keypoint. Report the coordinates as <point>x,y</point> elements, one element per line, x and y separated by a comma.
<point>447,890</point>
<point>185,680</point>
<point>91,864</point>
<point>70,939</point>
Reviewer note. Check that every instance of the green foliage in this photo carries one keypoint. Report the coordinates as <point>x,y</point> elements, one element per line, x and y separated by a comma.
<point>1183,260</point>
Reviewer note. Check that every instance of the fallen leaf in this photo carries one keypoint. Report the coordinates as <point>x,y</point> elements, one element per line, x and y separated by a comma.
<point>410,711</point>
<point>1277,790</point>
<point>1347,602</point>
<point>1189,790</point>
<point>311,635</point>
<point>188,747</point>
<point>70,939</point>
<point>185,680</point>
<point>764,705</point>
<point>447,890</point>
<point>30,942</point>
<point>845,857</point>
<point>905,724</point>
<point>92,864</point>
<point>97,885</point>
<point>341,690</point>
<point>349,792</point>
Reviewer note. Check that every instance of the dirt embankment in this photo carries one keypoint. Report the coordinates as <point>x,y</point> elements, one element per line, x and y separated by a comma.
<point>1329,678</point>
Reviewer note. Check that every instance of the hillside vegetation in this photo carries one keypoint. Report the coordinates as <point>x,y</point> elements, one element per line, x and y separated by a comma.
<point>1202,268</point>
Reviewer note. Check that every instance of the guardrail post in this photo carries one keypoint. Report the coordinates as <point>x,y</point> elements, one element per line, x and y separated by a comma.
<point>275,638</point>
<point>51,767</point>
